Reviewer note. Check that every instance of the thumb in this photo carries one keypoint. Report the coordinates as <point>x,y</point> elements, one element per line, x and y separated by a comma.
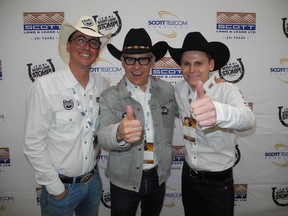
<point>130,113</point>
<point>200,90</point>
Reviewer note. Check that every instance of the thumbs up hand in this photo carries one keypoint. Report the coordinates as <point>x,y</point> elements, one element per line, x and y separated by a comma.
<point>130,129</point>
<point>202,108</point>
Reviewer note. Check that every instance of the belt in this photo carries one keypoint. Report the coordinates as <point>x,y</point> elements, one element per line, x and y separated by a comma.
<point>207,175</point>
<point>83,179</point>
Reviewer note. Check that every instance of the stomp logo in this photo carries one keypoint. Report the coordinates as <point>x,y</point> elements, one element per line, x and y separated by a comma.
<point>285,26</point>
<point>109,24</point>
<point>1,74</point>
<point>233,72</point>
<point>283,115</point>
<point>280,196</point>
<point>39,70</point>
<point>106,199</point>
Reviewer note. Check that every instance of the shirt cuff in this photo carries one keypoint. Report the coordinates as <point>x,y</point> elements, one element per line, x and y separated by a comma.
<point>55,188</point>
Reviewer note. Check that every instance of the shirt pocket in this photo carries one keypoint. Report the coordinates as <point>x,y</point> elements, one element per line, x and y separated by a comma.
<point>66,122</point>
<point>168,110</point>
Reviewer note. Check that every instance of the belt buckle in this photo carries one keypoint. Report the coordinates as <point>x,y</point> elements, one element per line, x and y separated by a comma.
<point>85,179</point>
<point>193,173</point>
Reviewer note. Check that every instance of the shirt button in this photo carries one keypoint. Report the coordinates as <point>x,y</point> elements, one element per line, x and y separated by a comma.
<point>138,109</point>
<point>86,158</point>
<point>84,95</point>
<point>137,168</point>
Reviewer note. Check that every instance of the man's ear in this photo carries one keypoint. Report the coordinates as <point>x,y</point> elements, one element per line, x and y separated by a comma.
<point>211,65</point>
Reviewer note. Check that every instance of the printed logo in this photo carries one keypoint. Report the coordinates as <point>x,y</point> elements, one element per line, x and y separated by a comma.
<point>237,24</point>
<point>281,72</point>
<point>280,156</point>
<point>38,195</point>
<point>164,111</point>
<point>4,157</point>
<point>88,22</point>
<point>113,70</point>
<point>283,115</point>
<point>233,72</point>
<point>1,75</point>
<point>170,198</point>
<point>42,25</point>
<point>2,118</point>
<point>280,196</point>
<point>109,24</point>
<point>285,26</point>
<point>167,24</point>
<point>240,193</point>
<point>178,154</point>
<point>168,70</point>
<point>68,104</point>
<point>40,69</point>
<point>6,198</point>
<point>237,155</point>
<point>106,199</point>
<point>2,208</point>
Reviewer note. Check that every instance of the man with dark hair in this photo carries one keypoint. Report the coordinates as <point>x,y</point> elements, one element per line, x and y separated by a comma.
<point>62,122</point>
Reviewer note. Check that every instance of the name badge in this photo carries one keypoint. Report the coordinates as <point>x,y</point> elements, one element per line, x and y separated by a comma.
<point>189,128</point>
<point>148,153</point>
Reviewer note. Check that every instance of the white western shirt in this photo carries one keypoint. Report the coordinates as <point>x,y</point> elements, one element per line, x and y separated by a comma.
<point>214,148</point>
<point>143,98</point>
<point>58,138</point>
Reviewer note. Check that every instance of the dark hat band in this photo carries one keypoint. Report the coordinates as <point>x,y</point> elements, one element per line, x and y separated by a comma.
<point>136,47</point>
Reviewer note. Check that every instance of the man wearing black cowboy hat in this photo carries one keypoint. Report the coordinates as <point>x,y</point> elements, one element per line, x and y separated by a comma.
<point>218,111</point>
<point>136,127</point>
<point>62,121</point>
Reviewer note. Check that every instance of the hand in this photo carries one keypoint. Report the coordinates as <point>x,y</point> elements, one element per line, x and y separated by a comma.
<point>130,129</point>
<point>202,108</point>
<point>61,195</point>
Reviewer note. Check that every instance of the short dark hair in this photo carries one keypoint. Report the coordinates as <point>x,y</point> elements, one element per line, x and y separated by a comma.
<point>71,36</point>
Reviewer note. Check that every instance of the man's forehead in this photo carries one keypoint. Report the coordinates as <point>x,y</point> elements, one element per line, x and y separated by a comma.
<point>78,33</point>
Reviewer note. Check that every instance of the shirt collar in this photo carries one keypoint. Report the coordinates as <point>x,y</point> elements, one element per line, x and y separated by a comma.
<point>71,81</point>
<point>136,88</point>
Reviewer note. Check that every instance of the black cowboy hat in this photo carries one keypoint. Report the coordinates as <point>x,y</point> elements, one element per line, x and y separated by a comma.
<point>137,41</point>
<point>196,41</point>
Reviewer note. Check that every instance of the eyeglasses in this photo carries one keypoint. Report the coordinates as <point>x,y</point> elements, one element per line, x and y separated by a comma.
<point>81,41</point>
<point>142,61</point>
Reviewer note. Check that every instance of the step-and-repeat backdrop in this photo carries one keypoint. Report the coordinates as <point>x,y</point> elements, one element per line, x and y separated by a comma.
<point>257,35</point>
